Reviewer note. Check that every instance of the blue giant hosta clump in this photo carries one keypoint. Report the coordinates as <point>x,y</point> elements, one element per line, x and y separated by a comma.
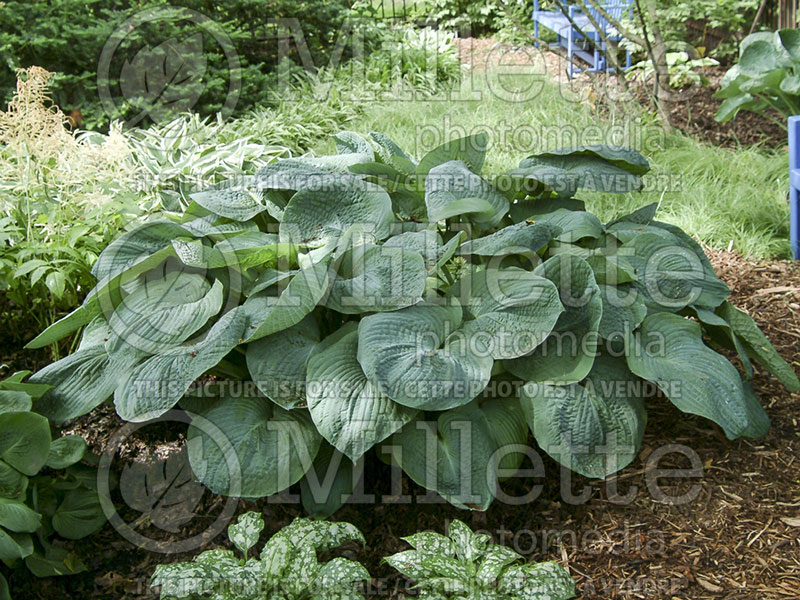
<point>335,304</point>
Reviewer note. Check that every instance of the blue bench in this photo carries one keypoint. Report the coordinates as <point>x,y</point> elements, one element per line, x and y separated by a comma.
<point>794,185</point>
<point>591,47</point>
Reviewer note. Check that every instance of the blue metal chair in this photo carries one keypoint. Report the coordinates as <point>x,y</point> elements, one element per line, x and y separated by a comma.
<point>794,184</point>
<point>591,47</point>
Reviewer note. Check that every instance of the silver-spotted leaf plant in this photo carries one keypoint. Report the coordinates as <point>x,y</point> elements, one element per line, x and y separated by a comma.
<point>287,567</point>
<point>464,566</point>
<point>366,300</point>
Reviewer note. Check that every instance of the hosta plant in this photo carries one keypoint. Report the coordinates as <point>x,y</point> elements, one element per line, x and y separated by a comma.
<point>766,76</point>
<point>43,488</point>
<point>286,569</point>
<point>464,566</point>
<point>333,304</point>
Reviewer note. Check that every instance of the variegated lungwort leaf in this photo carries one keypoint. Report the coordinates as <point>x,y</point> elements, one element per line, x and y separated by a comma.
<point>464,565</point>
<point>288,566</point>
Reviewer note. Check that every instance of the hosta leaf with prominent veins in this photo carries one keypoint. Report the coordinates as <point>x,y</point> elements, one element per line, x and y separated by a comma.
<point>623,311</point>
<point>451,189</point>
<point>450,455</point>
<point>377,278</point>
<point>470,150</point>
<point>669,351</point>
<point>238,204</point>
<point>522,238</point>
<point>671,275</point>
<point>596,428</point>
<point>507,312</point>
<point>156,385</point>
<point>412,357</point>
<point>567,355</point>
<point>277,363</point>
<point>269,313</point>
<point>136,245</point>
<point>757,345</point>
<point>316,214</point>
<point>348,410</point>
<point>81,381</point>
<point>248,446</point>
<point>429,244</point>
<point>164,312</point>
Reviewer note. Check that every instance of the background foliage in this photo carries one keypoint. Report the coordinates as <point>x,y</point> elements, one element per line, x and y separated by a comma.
<point>67,37</point>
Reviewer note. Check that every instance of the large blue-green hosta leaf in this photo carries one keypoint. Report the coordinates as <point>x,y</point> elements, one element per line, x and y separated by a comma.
<point>319,213</point>
<point>623,311</point>
<point>669,351</point>
<point>238,204</point>
<point>136,245</point>
<point>328,484</point>
<point>248,446</point>
<point>602,168</point>
<point>507,312</point>
<point>271,311</point>
<point>277,363</point>
<point>471,150</point>
<point>574,224</point>
<point>757,345</point>
<point>377,278</point>
<point>594,428</point>
<point>389,153</point>
<point>158,383</point>
<point>82,381</point>
<point>622,157</point>
<point>451,456</point>
<point>451,190</point>
<point>413,358</point>
<point>671,276</point>
<point>522,238</point>
<point>164,312</point>
<point>429,244</point>
<point>348,410</point>
<point>349,142</point>
<point>567,355</point>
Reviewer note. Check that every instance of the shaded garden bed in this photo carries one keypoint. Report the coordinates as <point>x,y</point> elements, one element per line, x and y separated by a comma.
<point>739,539</point>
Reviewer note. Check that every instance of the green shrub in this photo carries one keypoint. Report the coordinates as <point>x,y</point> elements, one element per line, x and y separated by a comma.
<point>464,565</point>
<point>331,287</point>
<point>67,37</point>
<point>732,16</point>
<point>767,76</point>
<point>34,503</point>
<point>287,568</point>
<point>481,18</point>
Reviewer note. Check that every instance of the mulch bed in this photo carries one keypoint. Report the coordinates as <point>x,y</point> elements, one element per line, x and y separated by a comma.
<point>738,539</point>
